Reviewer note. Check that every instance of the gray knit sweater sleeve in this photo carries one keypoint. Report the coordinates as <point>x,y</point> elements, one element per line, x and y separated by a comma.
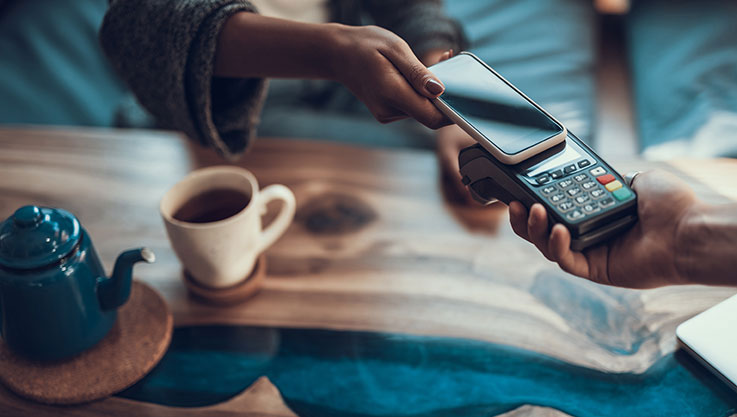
<point>422,23</point>
<point>165,49</point>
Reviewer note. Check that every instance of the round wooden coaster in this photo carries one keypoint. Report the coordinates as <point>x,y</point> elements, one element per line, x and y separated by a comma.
<point>229,295</point>
<point>136,342</point>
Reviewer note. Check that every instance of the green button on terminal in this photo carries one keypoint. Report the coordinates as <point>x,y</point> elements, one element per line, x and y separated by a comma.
<point>622,194</point>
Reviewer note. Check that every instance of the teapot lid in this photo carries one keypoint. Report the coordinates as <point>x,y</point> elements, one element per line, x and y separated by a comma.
<point>37,236</point>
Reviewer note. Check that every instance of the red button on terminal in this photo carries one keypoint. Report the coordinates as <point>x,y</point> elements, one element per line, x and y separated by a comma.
<point>605,179</point>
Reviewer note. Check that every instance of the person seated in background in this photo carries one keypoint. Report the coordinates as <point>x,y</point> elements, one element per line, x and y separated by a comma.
<point>683,61</point>
<point>201,65</point>
<point>677,240</point>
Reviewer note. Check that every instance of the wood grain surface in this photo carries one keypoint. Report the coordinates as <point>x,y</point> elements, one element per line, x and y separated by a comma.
<point>375,246</point>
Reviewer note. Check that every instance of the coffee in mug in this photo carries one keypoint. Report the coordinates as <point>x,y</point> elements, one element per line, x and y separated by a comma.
<point>213,205</point>
<point>213,220</point>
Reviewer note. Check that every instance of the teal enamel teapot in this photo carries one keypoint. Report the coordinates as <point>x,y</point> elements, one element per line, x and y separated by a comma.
<point>55,299</point>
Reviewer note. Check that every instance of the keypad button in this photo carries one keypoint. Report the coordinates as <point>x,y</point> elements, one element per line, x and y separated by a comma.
<point>584,163</point>
<point>590,208</point>
<point>598,193</point>
<point>556,174</point>
<point>543,179</point>
<point>588,185</point>
<point>598,171</point>
<point>606,202</point>
<point>622,194</point>
<point>614,185</point>
<point>557,198</point>
<point>563,184</point>
<point>566,205</point>
<point>573,191</point>
<point>570,168</point>
<point>575,214</point>
<point>548,189</point>
<point>582,199</point>
<point>605,179</point>
<point>580,177</point>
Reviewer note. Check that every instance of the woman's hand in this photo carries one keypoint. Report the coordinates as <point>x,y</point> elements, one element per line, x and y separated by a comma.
<point>374,63</point>
<point>383,72</point>
<point>645,256</point>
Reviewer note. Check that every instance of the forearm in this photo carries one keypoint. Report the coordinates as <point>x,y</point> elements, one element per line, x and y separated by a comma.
<point>707,245</point>
<point>255,46</point>
<point>376,65</point>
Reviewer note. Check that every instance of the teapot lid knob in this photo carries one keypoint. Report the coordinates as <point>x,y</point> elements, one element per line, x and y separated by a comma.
<point>35,237</point>
<point>27,216</point>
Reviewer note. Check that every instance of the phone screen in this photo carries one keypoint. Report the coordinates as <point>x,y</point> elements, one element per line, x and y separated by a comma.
<point>507,119</point>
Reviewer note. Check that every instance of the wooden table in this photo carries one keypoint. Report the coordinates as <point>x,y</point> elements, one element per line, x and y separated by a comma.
<point>375,248</point>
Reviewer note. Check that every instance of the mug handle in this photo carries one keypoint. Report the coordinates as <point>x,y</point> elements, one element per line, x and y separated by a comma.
<point>279,225</point>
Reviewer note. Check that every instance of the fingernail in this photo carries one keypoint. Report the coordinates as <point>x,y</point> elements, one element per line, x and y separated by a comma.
<point>433,87</point>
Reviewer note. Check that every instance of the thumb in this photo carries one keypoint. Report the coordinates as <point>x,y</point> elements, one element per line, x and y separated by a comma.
<point>421,79</point>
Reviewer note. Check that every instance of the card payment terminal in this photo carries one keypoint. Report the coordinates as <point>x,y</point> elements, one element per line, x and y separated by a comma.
<point>576,187</point>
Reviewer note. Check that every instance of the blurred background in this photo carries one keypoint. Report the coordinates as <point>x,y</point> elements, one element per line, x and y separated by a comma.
<point>650,77</point>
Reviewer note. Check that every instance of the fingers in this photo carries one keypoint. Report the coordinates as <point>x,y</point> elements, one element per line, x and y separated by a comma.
<point>555,246</point>
<point>408,102</point>
<point>629,179</point>
<point>446,55</point>
<point>397,100</point>
<point>448,154</point>
<point>426,113</point>
<point>560,250</point>
<point>518,219</point>
<point>434,56</point>
<point>537,229</point>
<point>659,183</point>
<point>421,79</point>
<point>394,98</point>
<point>388,115</point>
<point>405,104</point>
<point>412,99</point>
<point>407,91</point>
<point>450,141</point>
<point>559,244</point>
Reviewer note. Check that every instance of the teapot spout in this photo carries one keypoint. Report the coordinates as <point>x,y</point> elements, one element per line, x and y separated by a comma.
<point>113,292</point>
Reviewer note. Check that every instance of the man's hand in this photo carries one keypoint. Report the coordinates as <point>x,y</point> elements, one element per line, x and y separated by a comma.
<point>450,141</point>
<point>643,257</point>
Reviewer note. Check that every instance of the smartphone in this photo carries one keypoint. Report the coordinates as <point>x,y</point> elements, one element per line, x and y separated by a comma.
<point>710,337</point>
<point>493,111</point>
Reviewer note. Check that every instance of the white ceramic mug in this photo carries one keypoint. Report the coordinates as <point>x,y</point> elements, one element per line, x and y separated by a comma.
<point>222,253</point>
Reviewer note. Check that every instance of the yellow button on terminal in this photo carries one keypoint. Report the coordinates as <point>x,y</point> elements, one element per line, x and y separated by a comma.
<point>614,185</point>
